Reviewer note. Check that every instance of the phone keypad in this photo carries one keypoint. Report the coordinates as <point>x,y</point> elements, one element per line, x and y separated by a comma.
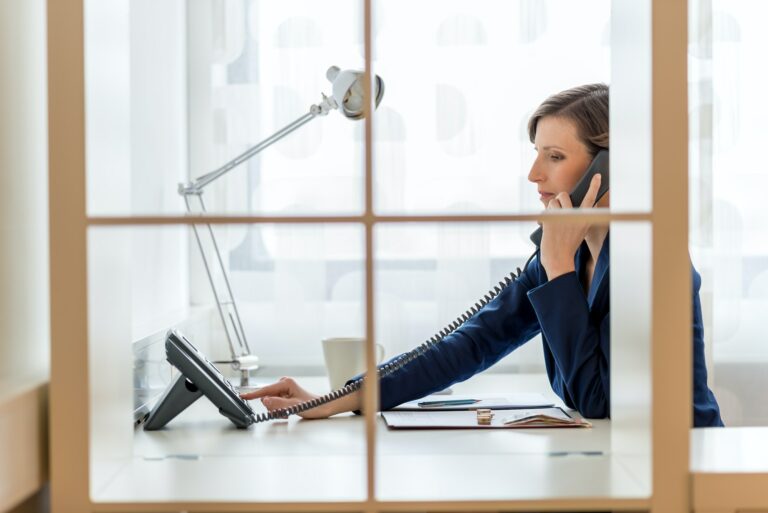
<point>224,380</point>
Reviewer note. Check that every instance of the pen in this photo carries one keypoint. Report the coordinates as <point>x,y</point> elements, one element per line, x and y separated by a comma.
<point>450,402</point>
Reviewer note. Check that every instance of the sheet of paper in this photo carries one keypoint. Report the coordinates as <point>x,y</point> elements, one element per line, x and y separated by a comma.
<point>551,415</point>
<point>494,402</point>
<point>504,419</point>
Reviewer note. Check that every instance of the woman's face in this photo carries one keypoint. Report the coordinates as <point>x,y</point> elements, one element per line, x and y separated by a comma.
<point>561,160</point>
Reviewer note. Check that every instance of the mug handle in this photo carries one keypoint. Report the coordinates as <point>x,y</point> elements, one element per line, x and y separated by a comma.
<point>379,353</point>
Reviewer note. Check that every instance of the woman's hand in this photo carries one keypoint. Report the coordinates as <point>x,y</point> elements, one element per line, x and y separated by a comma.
<point>286,393</point>
<point>560,241</point>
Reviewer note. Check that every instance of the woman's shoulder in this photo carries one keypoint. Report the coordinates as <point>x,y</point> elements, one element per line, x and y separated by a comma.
<point>695,279</point>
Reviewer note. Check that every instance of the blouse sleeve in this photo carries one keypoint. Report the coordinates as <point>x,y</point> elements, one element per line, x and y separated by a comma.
<point>579,343</point>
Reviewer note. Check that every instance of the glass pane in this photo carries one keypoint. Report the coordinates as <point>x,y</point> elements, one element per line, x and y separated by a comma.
<point>451,133</point>
<point>429,275</point>
<point>176,90</point>
<point>631,275</point>
<point>729,246</point>
<point>426,275</point>
<point>304,284</point>
<point>631,95</point>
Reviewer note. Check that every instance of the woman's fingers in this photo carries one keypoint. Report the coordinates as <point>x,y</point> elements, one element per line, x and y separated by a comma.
<point>283,394</point>
<point>564,200</point>
<point>278,403</point>
<point>590,198</point>
<point>279,388</point>
<point>282,403</point>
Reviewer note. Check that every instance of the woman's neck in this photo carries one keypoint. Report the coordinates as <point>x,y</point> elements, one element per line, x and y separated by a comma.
<point>595,238</point>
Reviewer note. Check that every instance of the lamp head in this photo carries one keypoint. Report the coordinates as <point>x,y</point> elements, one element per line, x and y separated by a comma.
<point>347,88</point>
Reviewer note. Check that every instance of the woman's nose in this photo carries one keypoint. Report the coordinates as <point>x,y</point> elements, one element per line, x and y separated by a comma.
<point>534,175</point>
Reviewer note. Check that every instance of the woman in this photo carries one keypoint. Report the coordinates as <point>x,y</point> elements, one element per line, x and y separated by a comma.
<point>563,294</point>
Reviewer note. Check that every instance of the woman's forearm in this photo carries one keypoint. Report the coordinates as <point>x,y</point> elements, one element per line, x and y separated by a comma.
<point>351,402</point>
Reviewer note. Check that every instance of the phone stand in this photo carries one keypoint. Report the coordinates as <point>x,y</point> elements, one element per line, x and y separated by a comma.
<point>179,394</point>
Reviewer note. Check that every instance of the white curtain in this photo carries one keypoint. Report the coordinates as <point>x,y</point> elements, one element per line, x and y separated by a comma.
<point>728,215</point>
<point>450,136</point>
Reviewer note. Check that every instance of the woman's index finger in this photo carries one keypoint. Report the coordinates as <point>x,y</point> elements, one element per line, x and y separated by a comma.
<point>265,391</point>
<point>590,198</point>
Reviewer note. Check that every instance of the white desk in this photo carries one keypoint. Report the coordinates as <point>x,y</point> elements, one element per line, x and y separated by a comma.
<point>201,458</point>
<point>729,469</point>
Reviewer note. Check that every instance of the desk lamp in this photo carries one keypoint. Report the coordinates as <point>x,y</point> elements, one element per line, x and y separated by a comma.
<point>346,96</point>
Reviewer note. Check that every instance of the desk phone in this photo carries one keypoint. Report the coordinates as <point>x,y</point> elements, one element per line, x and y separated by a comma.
<point>197,377</point>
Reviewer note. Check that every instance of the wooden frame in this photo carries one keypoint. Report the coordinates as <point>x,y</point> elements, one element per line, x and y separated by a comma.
<point>670,360</point>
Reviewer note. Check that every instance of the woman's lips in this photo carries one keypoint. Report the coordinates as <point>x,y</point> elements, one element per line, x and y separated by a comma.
<point>545,197</point>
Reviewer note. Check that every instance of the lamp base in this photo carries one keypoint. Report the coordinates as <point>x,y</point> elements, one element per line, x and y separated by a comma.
<point>245,378</point>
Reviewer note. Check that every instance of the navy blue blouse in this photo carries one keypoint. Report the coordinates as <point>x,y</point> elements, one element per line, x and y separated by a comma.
<point>575,329</point>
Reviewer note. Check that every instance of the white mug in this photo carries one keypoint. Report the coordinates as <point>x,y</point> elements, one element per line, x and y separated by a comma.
<point>345,358</point>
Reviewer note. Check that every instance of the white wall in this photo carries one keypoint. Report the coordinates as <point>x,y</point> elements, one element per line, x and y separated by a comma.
<point>24,297</point>
<point>24,323</point>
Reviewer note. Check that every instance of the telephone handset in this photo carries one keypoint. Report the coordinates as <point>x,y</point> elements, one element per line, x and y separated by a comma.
<point>600,164</point>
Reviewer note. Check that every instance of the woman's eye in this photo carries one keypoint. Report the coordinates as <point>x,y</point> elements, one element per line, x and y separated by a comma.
<point>556,157</point>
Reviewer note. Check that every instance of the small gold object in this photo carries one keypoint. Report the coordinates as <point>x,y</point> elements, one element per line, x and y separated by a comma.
<point>484,416</point>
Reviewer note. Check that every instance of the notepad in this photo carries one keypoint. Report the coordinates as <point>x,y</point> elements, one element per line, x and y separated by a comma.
<point>502,419</point>
<point>497,402</point>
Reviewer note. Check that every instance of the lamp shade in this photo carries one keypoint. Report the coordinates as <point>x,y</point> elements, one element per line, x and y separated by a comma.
<point>347,88</point>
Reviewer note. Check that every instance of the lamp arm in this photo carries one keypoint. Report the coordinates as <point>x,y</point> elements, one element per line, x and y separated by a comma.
<point>201,182</point>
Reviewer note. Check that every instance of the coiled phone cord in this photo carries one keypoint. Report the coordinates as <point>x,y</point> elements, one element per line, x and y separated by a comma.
<point>402,360</point>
